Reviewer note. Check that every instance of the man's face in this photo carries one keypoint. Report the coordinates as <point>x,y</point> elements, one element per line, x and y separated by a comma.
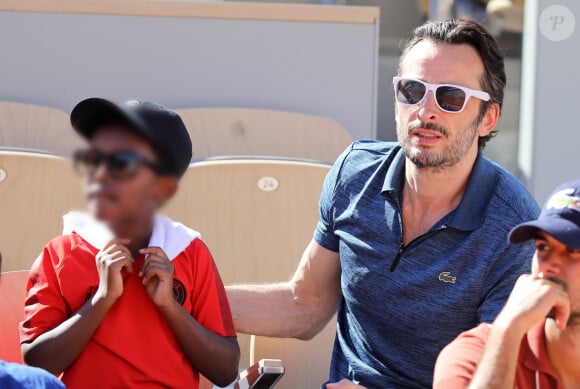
<point>118,201</point>
<point>429,136</point>
<point>561,264</point>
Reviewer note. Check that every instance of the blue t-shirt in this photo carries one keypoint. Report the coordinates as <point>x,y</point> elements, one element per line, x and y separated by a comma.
<point>16,376</point>
<point>402,305</point>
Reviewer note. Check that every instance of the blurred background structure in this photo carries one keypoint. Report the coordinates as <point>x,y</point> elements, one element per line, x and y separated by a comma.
<point>398,17</point>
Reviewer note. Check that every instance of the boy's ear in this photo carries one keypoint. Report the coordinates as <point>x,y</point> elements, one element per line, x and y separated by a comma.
<point>167,188</point>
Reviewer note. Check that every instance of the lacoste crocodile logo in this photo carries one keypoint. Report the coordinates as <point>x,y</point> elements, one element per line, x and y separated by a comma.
<point>447,277</point>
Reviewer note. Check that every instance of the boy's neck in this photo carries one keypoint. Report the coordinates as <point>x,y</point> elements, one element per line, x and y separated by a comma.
<point>138,231</point>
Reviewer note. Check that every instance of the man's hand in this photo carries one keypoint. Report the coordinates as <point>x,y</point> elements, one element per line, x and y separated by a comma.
<point>344,384</point>
<point>531,300</point>
<point>157,274</point>
<point>111,261</point>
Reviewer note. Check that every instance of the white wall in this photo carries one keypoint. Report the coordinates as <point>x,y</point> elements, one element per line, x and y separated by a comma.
<point>549,152</point>
<point>323,68</point>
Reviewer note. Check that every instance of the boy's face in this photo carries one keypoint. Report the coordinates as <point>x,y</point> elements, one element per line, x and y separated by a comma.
<point>121,201</point>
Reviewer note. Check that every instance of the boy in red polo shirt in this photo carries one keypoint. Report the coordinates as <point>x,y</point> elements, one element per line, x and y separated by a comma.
<point>126,297</point>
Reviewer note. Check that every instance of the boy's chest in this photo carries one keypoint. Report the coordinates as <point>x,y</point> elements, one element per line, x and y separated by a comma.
<point>79,281</point>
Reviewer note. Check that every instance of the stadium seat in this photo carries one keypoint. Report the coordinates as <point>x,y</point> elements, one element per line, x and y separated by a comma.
<point>35,191</point>
<point>237,131</point>
<point>35,127</point>
<point>257,216</point>
<point>309,360</point>
<point>12,292</point>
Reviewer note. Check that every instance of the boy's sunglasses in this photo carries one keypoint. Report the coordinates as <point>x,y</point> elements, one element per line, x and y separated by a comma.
<point>122,165</point>
<point>449,97</point>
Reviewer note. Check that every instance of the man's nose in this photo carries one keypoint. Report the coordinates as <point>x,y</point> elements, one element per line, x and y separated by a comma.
<point>428,108</point>
<point>551,265</point>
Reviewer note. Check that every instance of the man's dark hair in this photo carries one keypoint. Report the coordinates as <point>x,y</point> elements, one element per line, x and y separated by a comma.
<point>456,32</point>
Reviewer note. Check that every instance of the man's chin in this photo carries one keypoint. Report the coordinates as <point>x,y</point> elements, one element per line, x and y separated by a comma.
<point>423,159</point>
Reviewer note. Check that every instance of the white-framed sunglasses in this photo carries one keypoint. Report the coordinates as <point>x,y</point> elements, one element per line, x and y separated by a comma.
<point>449,97</point>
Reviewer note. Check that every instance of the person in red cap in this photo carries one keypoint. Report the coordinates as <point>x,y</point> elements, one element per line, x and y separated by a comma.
<point>126,297</point>
<point>535,340</point>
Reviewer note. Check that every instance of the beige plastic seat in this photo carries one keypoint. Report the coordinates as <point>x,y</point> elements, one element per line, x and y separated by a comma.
<point>240,131</point>
<point>257,216</point>
<point>12,293</point>
<point>309,360</point>
<point>36,127</point>
<point>35,191</point>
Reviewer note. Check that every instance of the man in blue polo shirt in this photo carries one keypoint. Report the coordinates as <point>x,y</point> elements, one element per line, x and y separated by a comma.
<point>410,246</point>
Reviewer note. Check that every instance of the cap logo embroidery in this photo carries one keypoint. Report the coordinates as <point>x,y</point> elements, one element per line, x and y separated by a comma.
<point>447,277</point>
<point>564,199</point>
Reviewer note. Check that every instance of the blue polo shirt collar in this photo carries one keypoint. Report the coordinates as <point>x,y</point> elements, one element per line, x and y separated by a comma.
<point>470,213</point>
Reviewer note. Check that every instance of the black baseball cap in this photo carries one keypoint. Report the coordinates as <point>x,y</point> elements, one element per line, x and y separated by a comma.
<point>162,127</point>
<point>559,218</point>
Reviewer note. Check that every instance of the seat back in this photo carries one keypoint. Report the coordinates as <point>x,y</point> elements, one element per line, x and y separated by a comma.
<point>256,216</point>
<point>237,131</point>
<point>30,126</point>
<point>12,294</point>
<point>35,191</point>
<point>307,362</point>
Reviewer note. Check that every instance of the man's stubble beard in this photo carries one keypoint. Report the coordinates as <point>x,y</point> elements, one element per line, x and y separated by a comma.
<point>449,157</point>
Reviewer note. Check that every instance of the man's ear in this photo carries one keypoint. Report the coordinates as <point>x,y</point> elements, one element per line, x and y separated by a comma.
<point>489,120</point>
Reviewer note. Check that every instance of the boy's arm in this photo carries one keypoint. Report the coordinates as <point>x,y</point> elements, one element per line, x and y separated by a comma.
<point>213,355</point>
<point>56,349</point>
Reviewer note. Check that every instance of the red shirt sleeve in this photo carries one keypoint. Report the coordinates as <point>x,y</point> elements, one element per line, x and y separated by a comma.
<point>210,304</point>
<point>457,362</point>
<point>44,306</point>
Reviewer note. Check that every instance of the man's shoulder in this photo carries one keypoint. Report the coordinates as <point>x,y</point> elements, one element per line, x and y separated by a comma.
<point>471,341</point>
<point>477,334</point>
<point>512,196</point>
<point>373,148</point>
<point>458,361</point>
<point>365,155</point>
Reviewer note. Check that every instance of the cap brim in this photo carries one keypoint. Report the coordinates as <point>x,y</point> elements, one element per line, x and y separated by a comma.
<point>90,114</point>
<point>562,229</point>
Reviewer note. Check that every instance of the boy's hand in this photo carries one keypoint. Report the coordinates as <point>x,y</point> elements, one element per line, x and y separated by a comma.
<point>111,261</point>
<point>157,274</point>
